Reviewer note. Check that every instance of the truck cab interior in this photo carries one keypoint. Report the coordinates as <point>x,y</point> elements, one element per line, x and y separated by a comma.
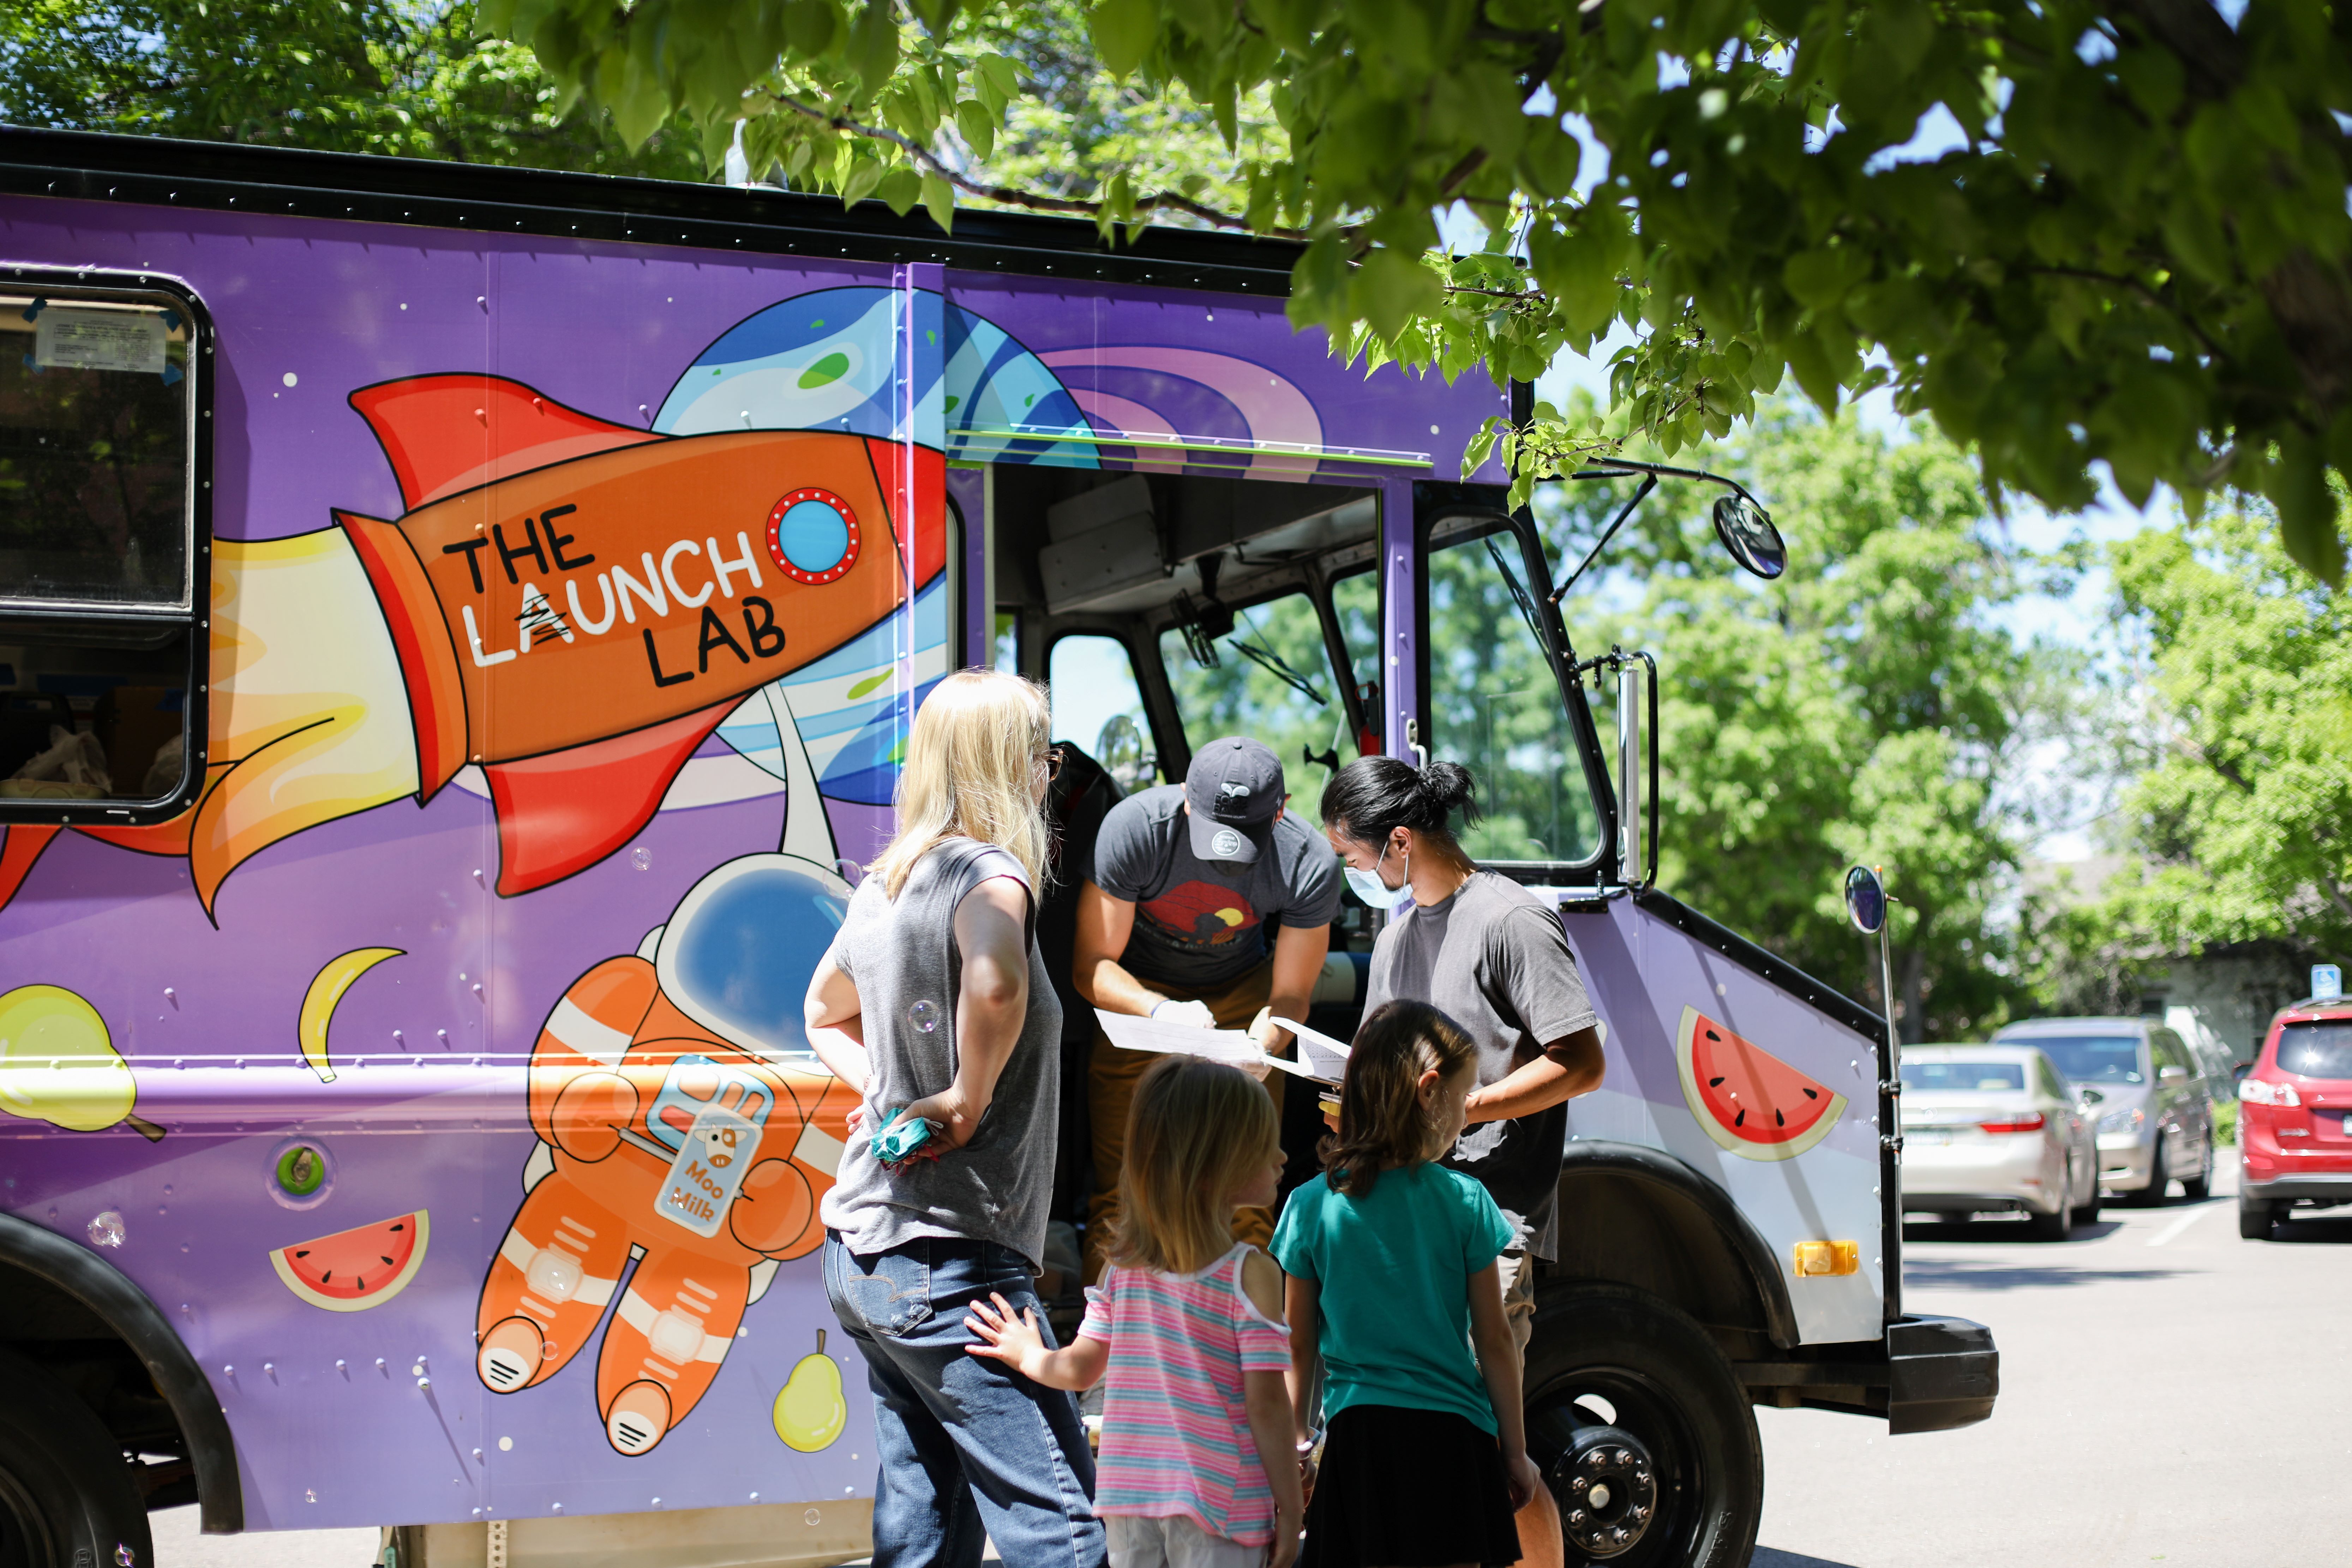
<point>1164,610</point>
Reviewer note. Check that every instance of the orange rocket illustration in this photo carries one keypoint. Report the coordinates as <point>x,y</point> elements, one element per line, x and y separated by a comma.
<point>573,604</point>
<point>577,603</point>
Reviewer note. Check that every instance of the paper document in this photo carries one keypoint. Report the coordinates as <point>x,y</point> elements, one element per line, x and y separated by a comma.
<point>1320,1056</point>
<point>1139,1034</point>
<point>1325,1057</point>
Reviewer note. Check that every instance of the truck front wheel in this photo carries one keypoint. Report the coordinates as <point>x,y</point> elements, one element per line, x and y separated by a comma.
<point>66,1495</point>
<point>1643,1431</point>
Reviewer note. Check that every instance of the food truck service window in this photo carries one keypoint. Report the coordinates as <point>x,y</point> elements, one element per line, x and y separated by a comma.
<point>101,645</point>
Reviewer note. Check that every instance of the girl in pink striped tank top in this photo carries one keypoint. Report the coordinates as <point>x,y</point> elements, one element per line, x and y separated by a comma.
<point>1197,1468</point>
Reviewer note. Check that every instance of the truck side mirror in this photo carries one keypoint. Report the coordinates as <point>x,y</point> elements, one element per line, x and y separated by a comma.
<point>1865,900</point>
<point>1749,536</point>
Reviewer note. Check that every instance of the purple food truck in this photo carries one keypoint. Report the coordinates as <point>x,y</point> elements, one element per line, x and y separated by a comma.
<point>458,628</point>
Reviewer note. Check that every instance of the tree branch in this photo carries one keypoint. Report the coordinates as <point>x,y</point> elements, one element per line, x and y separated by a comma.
<point>930,163</point>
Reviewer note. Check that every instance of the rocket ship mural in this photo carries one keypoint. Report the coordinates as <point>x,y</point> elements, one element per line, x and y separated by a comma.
<point>577,604</point>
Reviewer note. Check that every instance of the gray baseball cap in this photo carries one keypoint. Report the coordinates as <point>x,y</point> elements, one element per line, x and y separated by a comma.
<point>1235,790</point>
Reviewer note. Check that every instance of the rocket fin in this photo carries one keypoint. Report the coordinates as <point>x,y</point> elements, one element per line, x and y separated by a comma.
<point>448,433</point>
<point>563,811</point>
<point>927,507</point>
<point>20,845</point>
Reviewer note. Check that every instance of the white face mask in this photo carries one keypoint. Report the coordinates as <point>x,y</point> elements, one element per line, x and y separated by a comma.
<point>1368,886</point>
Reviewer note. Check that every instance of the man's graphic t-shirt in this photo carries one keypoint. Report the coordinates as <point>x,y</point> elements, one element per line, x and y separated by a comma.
<point>1199,923</point>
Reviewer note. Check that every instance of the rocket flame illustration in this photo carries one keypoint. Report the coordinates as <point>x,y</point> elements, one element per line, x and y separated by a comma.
<point>572,605</point>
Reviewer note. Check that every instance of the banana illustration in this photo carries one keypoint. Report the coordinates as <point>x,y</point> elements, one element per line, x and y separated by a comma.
<point>326,990</point>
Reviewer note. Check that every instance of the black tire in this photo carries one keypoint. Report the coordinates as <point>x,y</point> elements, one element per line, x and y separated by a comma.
<point>2158,1178</point>
<point>2054,1226</point>
<point>1670,1387</point>
<point>2256,1219</point>
<point>66,1495</point>
<point>2200,1188</point>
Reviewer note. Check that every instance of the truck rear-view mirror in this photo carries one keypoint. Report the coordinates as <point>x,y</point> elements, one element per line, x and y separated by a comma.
<point>1749,538</point>
<point>1865,896</point>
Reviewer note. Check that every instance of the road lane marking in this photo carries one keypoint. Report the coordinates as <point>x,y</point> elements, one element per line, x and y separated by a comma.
<point>2183,1223</point>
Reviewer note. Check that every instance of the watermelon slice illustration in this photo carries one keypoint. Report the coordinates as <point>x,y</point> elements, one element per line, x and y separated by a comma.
<point>1746,1098</point>
<point>355,1269</point>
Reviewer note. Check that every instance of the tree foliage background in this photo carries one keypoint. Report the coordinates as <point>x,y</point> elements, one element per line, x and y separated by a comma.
<point>1869,706</point>
<point>2125,241</point>
<point>401,77</point>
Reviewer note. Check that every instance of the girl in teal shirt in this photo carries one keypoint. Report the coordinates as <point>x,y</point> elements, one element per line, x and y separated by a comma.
<point>1392,1288</point>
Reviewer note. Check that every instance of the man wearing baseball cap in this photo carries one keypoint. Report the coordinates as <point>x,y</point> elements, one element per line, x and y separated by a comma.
<point>1208,905</point>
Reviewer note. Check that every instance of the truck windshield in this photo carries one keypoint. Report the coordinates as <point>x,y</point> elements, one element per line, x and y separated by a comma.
<point>1494,706</point>
<point>2095,1059</point>
<point>1272,680</point>
<point>1962,1075</point>
<point>2316,1050</point>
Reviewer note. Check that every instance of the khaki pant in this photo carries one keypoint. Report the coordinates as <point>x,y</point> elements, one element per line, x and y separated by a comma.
<point>1516,1271</point>
<point>1111,1076</point>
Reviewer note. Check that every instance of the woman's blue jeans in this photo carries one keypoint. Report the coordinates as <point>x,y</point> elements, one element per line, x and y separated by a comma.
<point>970,1450</point>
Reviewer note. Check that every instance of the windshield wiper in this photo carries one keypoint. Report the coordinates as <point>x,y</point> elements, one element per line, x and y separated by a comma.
<point>1273,664</point>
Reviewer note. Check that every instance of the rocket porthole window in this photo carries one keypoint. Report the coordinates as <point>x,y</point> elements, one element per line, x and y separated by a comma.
<point>813,536</point>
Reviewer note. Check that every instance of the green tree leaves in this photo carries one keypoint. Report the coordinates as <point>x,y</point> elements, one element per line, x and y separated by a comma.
<point>2242,827</point>
<point>2126,245</point>
<point>1866,707</point>
<point>369,76</point>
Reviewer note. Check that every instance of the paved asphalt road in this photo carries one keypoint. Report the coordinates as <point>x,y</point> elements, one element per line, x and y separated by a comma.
<point>2170,1394</point>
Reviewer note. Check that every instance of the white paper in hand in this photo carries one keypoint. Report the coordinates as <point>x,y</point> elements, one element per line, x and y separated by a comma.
<point>1320,1056</point>
<point>1139,1034</point>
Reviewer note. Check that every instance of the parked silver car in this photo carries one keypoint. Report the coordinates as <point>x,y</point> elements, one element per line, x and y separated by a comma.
<point>1996,1127</point>
<point>2156,1119</point>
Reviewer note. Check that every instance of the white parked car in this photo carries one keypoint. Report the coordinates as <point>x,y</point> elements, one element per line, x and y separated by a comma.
<point>1997,1128</point>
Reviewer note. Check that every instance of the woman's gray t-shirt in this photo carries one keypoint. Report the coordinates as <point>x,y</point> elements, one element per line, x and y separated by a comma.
<point>901,955</point>
<point>1496,960</point>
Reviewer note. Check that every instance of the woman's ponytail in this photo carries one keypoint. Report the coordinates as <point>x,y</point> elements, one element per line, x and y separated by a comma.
<point>1373,796</point>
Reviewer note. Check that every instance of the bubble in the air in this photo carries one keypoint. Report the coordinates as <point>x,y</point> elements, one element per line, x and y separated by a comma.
<point>106,1229</point>
<point>924,1015</point>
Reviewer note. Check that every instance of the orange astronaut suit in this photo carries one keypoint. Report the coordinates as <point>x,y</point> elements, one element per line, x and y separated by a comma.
<point>620,1080</point>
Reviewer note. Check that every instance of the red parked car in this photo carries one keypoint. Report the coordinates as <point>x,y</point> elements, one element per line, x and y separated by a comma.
<point>2294,1116</point>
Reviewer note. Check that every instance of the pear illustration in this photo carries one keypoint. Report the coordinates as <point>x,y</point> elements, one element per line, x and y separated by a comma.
<point>59,1065</point>
<point>810,1413</point>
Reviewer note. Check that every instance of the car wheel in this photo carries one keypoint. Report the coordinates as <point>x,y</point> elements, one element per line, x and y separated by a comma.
<point>2158,1178</point>
<point>1626,1393</point>
<point>2200,1188</point>
<point>66,1495</point>
<point>2256,1219</point>
<point>2053,1226</point>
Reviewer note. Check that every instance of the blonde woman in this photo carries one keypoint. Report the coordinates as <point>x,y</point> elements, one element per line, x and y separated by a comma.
<point>933,1002</point>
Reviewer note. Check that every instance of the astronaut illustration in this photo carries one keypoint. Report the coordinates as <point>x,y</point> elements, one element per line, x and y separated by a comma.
<point>683,1122</point>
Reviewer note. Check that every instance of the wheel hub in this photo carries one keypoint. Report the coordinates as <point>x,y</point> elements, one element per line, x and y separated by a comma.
<point>1608,1491</point>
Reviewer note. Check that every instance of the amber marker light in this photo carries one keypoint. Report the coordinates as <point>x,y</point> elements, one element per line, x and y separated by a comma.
<point>1815,1259</point>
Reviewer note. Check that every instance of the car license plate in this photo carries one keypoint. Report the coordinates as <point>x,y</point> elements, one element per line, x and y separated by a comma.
<point>1938,1137</point>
